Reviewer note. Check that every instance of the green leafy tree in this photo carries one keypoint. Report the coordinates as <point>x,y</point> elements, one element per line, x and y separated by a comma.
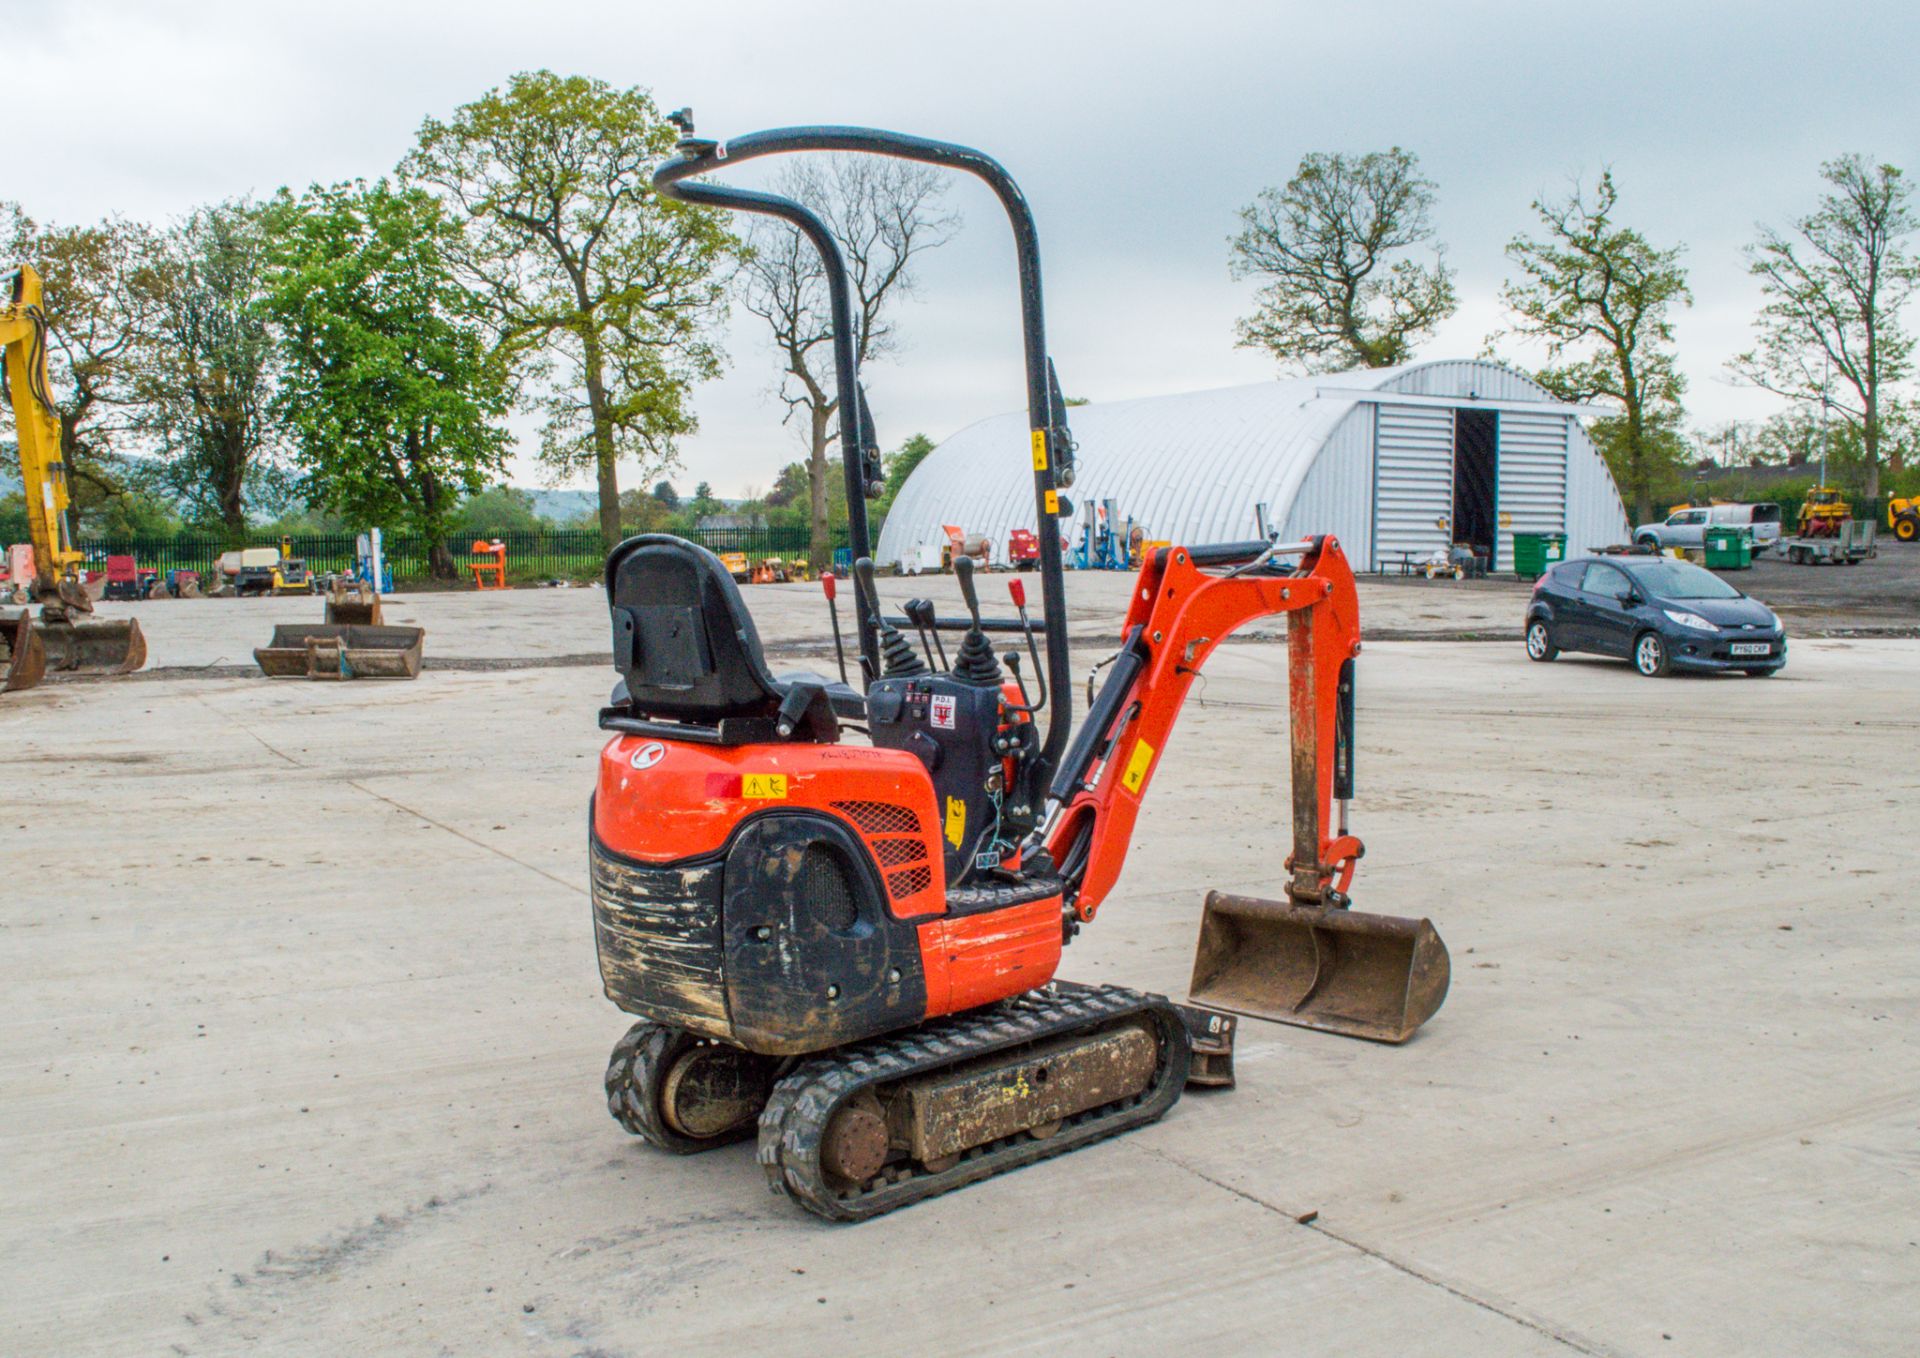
<point>1601,298</point>
<point>642,512</point>
<point>790,487</point>
<point>13,519</point>
<point>100,306</point>
<point>388,390</point>
<point>497,509</point>
<point>1835,288</point>
<point>1343,289</point>
<point>664,492</point>
<point>205,383</point>
<point>905,458</point>
<point>900,465</point>
<point>604,295</point>
<point>703,502</point>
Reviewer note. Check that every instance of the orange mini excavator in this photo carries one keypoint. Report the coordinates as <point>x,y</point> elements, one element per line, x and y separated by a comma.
<point>854,945</point>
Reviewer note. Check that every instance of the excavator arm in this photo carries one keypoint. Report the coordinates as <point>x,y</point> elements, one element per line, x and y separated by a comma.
<point>1180,612</point>
<point>23,341</point>
<point>64,638</point>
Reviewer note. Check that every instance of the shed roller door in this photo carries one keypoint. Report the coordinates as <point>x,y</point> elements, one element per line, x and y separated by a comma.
<point>1413,481</point>
<point>1533,476</point>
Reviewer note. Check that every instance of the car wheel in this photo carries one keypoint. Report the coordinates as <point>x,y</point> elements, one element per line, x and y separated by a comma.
<point>1540,642</point>
<point>1907,529</point>
<point>1650,655</point>
<point>1652,544</point>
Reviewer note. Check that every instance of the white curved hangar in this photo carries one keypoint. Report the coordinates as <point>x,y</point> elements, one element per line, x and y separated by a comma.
<point>1398,462</point>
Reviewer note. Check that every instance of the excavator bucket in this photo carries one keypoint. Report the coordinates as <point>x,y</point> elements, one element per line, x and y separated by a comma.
<point>355,607</point>
<point>1341,971</point>
<point>23,661</point>
<point>93,646</point>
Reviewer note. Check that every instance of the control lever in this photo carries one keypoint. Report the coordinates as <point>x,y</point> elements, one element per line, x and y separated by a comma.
<point>975,662</point>
<point>920,613</point>
<point>1012,661</point>
<point>963,572</point>
<point>828,584</point>
<point>896,652</point>
<point>1017,590</point>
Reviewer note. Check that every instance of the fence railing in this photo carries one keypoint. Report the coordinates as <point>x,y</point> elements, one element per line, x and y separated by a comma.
<point>571,553</point>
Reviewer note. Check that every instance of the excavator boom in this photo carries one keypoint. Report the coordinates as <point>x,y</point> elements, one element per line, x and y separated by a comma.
<point>64,638</point>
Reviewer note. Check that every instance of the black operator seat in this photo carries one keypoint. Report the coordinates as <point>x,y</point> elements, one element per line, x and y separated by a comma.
<point>687,651</point>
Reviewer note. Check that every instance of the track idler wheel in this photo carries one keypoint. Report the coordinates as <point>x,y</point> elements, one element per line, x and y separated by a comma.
<point>684,1093</point>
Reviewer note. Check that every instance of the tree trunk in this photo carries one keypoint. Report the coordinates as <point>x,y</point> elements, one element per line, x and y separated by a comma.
<point>440,563</point>
<point>605,460</point>
<point>233,502</point>
<point>1870,438</point>
<point>820,552</point>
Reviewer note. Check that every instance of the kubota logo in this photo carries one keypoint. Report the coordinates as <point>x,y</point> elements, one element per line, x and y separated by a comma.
<point>648,755</point>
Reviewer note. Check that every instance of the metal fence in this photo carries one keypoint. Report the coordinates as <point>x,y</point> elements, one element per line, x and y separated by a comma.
<point>573,553</point>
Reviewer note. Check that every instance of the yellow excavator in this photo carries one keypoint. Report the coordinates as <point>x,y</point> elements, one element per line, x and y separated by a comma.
<point>65,637</point>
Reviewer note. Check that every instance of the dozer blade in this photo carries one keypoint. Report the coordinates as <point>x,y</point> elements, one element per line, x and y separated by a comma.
<point>96,646</point>
<point>1341,971</point>
<point>23,660</point>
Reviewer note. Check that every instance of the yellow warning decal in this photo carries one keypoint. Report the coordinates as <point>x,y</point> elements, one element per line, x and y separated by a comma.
<point>1053,502</point>
<point>1137,766</point>
<point>956,821</point>
<point>763,787</point>
<point>1039,450</point>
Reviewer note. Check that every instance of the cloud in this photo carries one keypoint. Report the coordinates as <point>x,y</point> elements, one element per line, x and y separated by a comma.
<point>1136,130</point>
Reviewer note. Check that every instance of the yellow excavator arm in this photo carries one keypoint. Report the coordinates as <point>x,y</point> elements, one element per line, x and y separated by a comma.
<point>23,341</point>
<point>63,638</point>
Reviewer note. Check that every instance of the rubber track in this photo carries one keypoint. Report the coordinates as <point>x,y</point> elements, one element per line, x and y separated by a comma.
<point>795,1118</point>
<point>634,1071</point>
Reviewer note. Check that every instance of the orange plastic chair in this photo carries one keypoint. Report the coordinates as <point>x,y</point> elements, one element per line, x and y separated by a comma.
<point>489,564</point>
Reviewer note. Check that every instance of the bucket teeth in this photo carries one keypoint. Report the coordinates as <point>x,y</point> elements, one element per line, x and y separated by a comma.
<point>1340,971</point>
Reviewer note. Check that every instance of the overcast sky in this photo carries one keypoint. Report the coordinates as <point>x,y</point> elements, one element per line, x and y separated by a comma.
<point>1136,137</point>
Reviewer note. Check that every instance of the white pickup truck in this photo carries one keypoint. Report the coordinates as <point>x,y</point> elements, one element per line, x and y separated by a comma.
<point>1688,527</point>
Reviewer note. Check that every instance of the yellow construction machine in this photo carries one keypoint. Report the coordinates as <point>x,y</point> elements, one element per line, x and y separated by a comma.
<point>1903,516</point>
<point>65,637</point>
<point>1822,512</point>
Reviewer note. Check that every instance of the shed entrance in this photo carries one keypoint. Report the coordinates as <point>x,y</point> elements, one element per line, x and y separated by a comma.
<point>1476,475</point>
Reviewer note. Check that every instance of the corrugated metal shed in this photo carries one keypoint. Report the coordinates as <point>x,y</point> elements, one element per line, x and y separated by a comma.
<point>1334,453</point>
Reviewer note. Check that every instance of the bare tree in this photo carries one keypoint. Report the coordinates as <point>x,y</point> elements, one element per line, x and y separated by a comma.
<point>1343,291</point>
<point>884,213</point>
<point>1835,287</point>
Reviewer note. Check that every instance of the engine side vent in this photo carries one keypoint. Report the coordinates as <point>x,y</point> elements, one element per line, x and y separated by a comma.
<point>880,818</point>
<point>823,884</point>
<point>909,881</point>
<point>893,853</point>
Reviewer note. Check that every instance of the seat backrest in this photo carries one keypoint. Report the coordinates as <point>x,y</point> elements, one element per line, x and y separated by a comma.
<point>682,637</point>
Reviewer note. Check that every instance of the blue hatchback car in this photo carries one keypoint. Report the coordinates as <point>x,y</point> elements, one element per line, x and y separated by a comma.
<point>1658,612</point>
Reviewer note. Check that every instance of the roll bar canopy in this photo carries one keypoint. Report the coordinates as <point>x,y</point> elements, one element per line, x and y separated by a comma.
<point>1052,444</point>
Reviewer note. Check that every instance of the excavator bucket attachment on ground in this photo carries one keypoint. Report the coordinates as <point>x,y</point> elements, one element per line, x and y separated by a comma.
<point>1341,971</point>
<point>23,661</point>
<point>355,607</point>
<point>93,646</point>
<point>331,650</point>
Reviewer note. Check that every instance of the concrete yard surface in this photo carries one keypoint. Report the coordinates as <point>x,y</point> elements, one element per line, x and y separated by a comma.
<point>303,1039</point>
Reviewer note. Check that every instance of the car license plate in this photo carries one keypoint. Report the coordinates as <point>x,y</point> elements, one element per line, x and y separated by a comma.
<point>1750,648</point>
